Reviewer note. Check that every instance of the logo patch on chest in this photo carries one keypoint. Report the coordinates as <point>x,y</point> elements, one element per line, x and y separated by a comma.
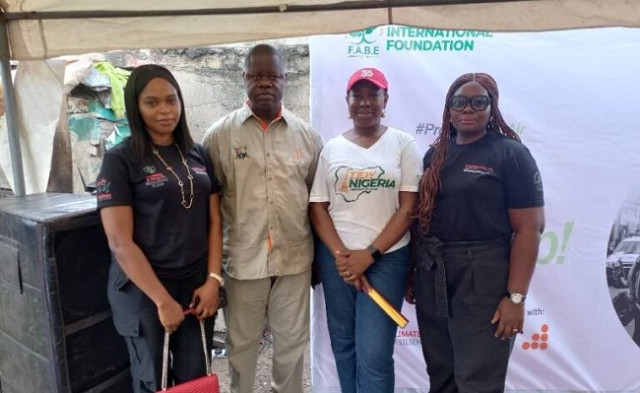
<point>351,183</point>
<point>156,180</point>
<point>297,154</point>
<point>149,169</point>
<point>478,168</point>
<point>241,152</point>
<point>199,170</point>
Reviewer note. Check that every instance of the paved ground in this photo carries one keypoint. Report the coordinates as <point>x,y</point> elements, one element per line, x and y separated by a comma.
<point>5,192</point>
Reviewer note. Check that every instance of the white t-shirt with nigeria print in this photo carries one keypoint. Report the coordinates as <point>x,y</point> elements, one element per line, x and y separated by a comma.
<point>362,184</point>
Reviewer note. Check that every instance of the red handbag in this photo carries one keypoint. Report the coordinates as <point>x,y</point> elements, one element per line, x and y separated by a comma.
<point>206,384</point>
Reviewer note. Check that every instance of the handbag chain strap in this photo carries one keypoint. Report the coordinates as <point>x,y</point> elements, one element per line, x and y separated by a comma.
<point>165,355</point>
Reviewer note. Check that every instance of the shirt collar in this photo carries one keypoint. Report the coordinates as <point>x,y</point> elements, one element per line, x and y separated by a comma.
<point>247,113</point>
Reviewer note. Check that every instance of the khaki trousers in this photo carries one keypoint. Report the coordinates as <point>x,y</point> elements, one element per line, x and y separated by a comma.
<point>283,302</point>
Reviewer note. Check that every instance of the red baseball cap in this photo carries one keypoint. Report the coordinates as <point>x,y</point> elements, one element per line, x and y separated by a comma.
<point>370,74</point>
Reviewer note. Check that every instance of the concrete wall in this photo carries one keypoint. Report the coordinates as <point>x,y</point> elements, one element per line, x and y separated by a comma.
<point>212,86</point>
<point>211,78</point>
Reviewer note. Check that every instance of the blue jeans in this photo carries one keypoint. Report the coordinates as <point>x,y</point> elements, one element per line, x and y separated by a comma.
<point>362,335</point>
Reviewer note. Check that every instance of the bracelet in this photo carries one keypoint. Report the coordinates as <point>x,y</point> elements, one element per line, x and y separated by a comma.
<point>218,278</point>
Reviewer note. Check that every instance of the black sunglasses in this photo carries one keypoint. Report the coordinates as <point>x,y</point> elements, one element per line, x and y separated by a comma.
<point>478,103</point>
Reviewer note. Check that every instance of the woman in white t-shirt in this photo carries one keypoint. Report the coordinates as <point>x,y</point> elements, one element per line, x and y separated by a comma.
<point>362,202</point>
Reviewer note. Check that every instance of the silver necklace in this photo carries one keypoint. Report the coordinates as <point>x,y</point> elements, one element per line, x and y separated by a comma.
<point>185,204</point>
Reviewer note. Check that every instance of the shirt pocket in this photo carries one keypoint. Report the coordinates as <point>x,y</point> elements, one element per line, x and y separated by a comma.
<point>125,300</point>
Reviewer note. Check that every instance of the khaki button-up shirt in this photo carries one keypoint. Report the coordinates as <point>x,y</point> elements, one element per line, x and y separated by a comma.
<point>266,176</point>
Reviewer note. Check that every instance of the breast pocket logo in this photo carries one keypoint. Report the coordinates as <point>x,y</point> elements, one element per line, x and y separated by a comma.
<point>199,170</point>
<point>241,152</point>
<point>299,158</point>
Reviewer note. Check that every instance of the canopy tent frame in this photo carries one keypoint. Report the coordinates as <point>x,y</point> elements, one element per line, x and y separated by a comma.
<point>293,8</point>
<point>11,111</point>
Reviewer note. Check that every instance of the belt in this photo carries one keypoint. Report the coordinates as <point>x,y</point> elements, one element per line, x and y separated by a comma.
<point>431,252</point>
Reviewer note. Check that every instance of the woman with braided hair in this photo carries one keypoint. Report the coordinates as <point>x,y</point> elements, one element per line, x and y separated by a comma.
<point>479,219</point>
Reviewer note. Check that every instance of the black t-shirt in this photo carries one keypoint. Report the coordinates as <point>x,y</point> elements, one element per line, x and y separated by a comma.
<point>480,181</point>
<point>173,239</point>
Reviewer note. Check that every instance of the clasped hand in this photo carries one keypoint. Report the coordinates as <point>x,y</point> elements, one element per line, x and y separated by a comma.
<point>204,303</point>
<point>352,264</point>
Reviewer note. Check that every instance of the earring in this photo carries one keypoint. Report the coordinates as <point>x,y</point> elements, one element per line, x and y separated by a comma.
<point>384,114</point>
<point>492,125</point>
<point>452,130</point>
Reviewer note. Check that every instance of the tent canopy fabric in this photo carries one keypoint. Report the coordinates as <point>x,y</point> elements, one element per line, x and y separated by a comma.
<point>40,29</point>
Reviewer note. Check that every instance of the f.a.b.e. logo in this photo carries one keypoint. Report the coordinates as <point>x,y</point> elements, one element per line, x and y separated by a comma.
<point>364,43</point>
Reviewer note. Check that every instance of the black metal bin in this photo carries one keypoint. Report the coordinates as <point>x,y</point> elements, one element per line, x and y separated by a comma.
<point>56,332</point>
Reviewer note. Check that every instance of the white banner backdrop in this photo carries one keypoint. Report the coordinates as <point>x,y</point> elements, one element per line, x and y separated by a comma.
<point>574,97</point>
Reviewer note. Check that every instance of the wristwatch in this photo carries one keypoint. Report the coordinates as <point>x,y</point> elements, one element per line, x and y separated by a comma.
<point>375,253</point>
<point>515,297</point>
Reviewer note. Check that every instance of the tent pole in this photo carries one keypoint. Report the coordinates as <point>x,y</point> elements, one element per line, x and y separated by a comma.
<point>11,111</point>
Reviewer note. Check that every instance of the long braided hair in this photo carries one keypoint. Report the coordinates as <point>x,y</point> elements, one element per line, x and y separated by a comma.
<point>430,183</point>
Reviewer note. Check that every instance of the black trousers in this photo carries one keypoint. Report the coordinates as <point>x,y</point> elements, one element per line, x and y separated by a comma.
<point>136,319</point>
<point>458,287</point>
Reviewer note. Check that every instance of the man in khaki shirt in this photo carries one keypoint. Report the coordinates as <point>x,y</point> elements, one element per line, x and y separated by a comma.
<point>265,159</point>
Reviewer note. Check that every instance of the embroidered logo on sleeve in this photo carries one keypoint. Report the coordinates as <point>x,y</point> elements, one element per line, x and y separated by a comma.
<point>537,181</point>
<point>241,152</point>
<point>103,188</point>
<point>351,183</point>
